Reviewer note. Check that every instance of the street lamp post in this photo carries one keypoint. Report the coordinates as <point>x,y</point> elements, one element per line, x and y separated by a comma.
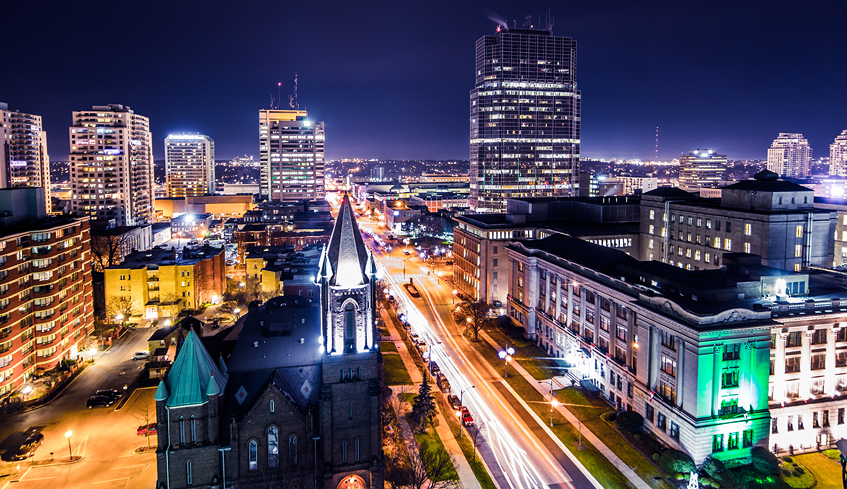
<point>553,404</point>
<point>461,402</point>
<point>454,295</point>
<point>507,356</point>
<point>68,436</point>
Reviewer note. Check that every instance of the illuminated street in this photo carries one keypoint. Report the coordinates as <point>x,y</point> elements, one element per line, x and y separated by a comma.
<point>525,454</point>
<point>105,438</point>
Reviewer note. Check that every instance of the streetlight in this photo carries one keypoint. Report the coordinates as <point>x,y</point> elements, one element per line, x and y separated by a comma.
<point>553,404</point>
<point>68,436</point>
<point>454,295</point>
<point>461,403</point>
<point>237,312</point>
<point>507,356</point>
<point>119,318</point>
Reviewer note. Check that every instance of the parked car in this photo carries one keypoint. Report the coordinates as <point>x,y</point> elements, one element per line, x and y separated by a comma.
<point>98,401</point>
<point>454,402</point>
<point>114,394</point>
<point>147,430</point>
<point>445,386</point>
<point>467,419</point>
<point>29,446</point>
<point>141,355</point>
<point>391,299</point>
<point>434,368</point>
<point>414,337</point>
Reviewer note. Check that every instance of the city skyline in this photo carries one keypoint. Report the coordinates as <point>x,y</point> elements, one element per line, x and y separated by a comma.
<point>412,65</point>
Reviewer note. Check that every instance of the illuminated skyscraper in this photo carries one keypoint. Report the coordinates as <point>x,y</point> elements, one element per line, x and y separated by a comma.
<point>190,165</point>
<point>23,152</point>
<point>112,165</point>
<point>701,169</point>
<point>789,156</point>
<point>291,149</point>
<point>838,155</point>
<point>525,118</point>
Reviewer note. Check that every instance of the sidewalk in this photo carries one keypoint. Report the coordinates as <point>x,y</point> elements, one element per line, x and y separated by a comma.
<point>627,472</point>
<point>467,479</point>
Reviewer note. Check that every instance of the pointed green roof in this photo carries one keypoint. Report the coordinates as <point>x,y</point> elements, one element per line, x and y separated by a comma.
<point>191,373</point>
<point>161,392</point>
<point>212,390</point>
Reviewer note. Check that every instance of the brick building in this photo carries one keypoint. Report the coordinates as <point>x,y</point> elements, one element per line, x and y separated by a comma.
<point>46,295</point>
<point>297,404</point>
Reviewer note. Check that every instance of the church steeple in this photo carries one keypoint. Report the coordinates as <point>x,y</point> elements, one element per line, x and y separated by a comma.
<point>347,276</point>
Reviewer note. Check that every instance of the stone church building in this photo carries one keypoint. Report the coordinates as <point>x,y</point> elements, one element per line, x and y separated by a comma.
<point>297,403</point>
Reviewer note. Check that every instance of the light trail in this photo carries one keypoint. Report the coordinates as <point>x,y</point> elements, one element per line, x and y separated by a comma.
<point>517,466</point>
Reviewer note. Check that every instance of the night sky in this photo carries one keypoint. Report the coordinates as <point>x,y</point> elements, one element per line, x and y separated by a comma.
<point>392,79</point>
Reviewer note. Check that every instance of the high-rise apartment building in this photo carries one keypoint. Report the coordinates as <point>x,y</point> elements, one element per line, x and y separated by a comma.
<point>46,295</point>
<point>525,118</point>
<point>838,155</point>
<point>23,152</point>
<point>291,149</point>
<point>701,168</point>
<point>112,165</point>
<point>789,156</point>
<point>190,165</point>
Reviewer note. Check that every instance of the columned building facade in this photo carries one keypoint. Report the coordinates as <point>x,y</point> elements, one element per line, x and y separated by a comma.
<point>524,118</point>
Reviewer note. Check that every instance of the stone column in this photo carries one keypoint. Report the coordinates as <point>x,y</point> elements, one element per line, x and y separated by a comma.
<point>716,378</point>
<point>806,364</point>
<point>779,368</point>
<point>829,379</point>
<point>547,294</point>
<point>532,297</point>
<point>558,298</point>
<point>631,328</point>
<point>653,372</point>
<point>680,370</point>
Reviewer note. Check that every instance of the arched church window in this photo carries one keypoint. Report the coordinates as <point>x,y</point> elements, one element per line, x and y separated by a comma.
<point>350,327</point>
<point>273,446</point>
<point>292,450</point>
<point>253,455</point>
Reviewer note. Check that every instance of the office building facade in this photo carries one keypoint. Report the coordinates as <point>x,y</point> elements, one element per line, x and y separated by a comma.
<point>838,155</point>
<point>776,220</point>
<point>46,294</point>
<point>23,152</point>
<point>190,165</point>
<point>291,149</point>
<point>111,164</point>
<point>790,156</point>
<point>524,118</point>
<point>701,169</point>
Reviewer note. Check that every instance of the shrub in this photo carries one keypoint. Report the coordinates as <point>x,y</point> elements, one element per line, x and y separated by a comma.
<point>764,461</point>
<point>611,416</point>
<point>713,466</point>
<point>629,421</point>
<point>673,461</point>
<point>680,476</point>
<point>655,457</point>
<point>798,472</point>
<point>637,436</point>
<point>705,481</point>
<point>787,459</point>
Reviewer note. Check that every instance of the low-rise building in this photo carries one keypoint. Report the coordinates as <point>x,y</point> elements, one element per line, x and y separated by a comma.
<point>435,201</point>
<point>161,282</point>
<point>46,297</point>
<point>280,270</point>
<point>218,205</point>
<point>191,225</point>
<point>716,361</point>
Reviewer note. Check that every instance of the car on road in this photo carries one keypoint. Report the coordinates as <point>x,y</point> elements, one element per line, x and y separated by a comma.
<point>454,402</point>
<point>467,419</point>
<point>434,368</point>
<point>147,429</point>
<point>406,252</point>
<point>141,355</point>
<point>98,401</point>
<point>29,446</point>
<point>114,394</point>
<point>414,337</point>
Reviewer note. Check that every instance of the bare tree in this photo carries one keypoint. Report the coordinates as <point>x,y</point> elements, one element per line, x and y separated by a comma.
<point>123,305</point>
<point>228,311</point>
<point>102,327</point>
<point>475,437</point>
<point>473,314</point>
<point>145,415</point>
<point>107,250</point>
<point>428,467</point>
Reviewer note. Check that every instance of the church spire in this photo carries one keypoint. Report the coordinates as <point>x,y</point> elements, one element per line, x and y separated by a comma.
<point>346,254</point>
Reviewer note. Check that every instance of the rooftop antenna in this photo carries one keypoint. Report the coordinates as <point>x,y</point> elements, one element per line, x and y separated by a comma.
<point>657,143</point>
<point>272,101</point>
<point>296,102</point>
<point>278,96</point>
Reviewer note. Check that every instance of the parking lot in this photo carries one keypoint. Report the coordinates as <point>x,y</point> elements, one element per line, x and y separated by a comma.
<point>103,439</point>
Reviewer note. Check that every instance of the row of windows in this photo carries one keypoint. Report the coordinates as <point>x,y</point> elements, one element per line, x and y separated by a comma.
<point>819,419</point>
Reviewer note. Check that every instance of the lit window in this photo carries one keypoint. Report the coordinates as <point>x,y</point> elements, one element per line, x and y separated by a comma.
<point>727,244</point>
<point>799,231</point>
<point>748,229</point>
<point>798,251</point>
<point>746,247</point>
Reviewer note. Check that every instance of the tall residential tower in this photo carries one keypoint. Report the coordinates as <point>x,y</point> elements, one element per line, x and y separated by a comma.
<point>701,169</point>
<point>789,156</point>
<point>291,148</point>
<point>23,152</point>
<point>112,165</point>
<point>190,165</point>
<point>525,118</point>
<point>838,155</point>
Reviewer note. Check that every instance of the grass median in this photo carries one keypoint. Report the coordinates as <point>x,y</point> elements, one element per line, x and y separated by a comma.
<point>395,372</point>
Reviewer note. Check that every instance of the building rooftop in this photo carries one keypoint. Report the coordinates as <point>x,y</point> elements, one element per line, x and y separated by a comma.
<point>38,225</point>
<point>161,255</point>
<point>768,186</point>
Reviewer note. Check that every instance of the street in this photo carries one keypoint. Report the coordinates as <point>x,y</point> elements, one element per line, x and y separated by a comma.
<point>525,453</point>
<point>104,438</point>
